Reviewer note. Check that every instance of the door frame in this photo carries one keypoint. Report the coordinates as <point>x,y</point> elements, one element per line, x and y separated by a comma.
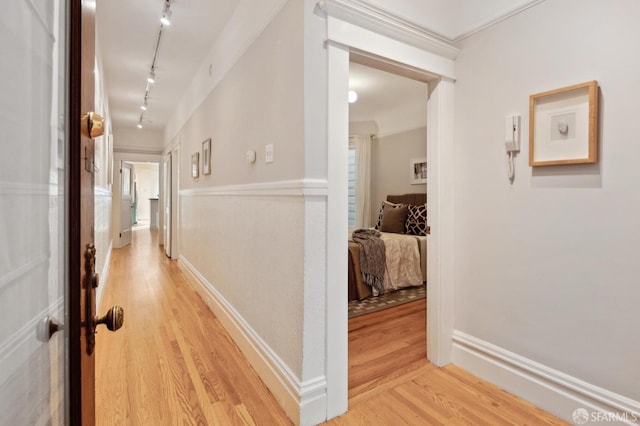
<point>119,156</point>
<point>80,211</point>
<point>406,52</point>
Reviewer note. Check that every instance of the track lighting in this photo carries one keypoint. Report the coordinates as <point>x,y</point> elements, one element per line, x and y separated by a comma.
<point>151,78</point>
<point>166,16</point>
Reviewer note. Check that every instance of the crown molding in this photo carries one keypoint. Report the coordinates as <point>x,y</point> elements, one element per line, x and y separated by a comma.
<point>494,20</point>
<point>374,19</point>
<point>363,14</point>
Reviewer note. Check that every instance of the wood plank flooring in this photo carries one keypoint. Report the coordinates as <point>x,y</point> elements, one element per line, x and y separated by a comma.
<point>385,345</point>
<point>392,383</point>
<point>172,363</point>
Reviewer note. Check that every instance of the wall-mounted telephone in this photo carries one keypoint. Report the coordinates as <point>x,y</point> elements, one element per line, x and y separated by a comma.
<point>512,133</point>
<point>512,139</point>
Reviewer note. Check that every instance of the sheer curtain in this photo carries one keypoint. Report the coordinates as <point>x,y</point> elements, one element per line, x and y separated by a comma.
<point>362,145</point>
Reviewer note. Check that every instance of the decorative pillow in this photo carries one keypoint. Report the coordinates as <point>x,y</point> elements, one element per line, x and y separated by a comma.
<point>416,223</point>
<point>394,218</point>
<point>381,212</point>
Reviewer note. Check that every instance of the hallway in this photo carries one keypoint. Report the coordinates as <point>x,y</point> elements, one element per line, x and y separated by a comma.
<point>171,363</point>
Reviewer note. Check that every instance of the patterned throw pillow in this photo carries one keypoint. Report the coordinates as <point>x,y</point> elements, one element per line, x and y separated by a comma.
<point>381,212</point>
<point>416,223</point>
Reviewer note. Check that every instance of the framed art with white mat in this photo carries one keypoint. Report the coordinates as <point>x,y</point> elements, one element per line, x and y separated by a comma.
<point>563,126</point>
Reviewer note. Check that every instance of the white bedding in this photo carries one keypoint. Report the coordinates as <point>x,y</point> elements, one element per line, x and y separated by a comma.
<point>403,261</point>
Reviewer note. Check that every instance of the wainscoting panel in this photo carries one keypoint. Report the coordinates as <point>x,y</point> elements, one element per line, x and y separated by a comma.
<point>243,247</point>
<point>251,249</point>
<point>102,238</point>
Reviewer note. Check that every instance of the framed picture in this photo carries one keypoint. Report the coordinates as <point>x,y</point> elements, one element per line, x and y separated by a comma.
<point>563,126</point>
<point>195,165</point>
<point>418,171</point>
<point>206,157</point>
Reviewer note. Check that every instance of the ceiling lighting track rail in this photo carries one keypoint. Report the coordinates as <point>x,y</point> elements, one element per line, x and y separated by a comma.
<point>151,78</point>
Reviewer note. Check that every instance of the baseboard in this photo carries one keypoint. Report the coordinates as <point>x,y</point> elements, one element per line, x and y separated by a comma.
<point>304,402</point>
<point>549,389</point>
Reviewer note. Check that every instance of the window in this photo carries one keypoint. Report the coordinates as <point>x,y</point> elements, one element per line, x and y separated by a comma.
<point>352,187</point>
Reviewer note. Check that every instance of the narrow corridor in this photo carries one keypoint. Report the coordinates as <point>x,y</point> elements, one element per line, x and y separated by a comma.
<point>171,363</point>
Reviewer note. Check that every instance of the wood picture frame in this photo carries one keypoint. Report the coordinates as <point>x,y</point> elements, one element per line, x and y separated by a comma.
<point>206,157</point>
<point>195,165</point>
<point>563,126</point>
<point>418,171</point>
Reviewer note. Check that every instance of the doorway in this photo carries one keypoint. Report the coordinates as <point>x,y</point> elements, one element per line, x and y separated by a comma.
<point>146,193</point>
<point>136,183</point>
<point>434,61</point>
<point>387,134</point>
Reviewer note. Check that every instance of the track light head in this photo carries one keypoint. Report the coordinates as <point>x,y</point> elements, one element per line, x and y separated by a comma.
<point>166,16</point>
<point>152,77</point>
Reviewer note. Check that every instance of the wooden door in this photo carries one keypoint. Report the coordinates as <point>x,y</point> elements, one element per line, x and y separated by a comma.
<point>84,127</point>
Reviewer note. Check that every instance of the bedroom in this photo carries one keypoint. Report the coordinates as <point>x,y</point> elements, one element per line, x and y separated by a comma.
<point>387,118</point>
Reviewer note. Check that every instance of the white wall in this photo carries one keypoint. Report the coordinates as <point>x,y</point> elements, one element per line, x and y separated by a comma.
<point>137,141</point>
<point>242,228</point>
<point>390,160</point>
<point>547,268</point>
<point>147,184</point>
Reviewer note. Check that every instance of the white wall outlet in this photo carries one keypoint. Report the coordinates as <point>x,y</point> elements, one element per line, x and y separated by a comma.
<point>268,153</point>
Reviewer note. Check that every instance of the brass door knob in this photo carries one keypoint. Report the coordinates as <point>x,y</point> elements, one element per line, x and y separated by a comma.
<point>92,125</point>
<point>113,319</point>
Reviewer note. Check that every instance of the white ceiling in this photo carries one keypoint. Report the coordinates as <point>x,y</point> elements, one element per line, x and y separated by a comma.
<point>380,92</point>
<point>127,33</point>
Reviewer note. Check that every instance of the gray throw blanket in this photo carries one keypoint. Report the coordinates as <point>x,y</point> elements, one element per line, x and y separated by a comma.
<point>372,257</point>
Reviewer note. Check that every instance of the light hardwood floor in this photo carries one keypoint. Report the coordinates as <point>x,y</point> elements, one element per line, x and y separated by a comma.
<point>173,364</point>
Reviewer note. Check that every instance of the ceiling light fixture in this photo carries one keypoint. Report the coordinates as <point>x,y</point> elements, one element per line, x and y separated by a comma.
<point>152,77</point>
<point>353,96</point>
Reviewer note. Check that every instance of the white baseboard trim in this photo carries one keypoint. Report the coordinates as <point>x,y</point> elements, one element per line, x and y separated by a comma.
<point>304,402</point>
<point>549,389</point>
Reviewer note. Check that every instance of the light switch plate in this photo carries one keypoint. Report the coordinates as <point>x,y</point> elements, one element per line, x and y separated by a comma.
<point>268,153</point>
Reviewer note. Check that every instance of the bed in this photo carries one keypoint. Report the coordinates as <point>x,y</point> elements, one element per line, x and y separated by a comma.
<point>404,237</point>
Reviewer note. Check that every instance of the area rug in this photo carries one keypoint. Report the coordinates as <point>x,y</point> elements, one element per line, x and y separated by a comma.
<point>395,298</point>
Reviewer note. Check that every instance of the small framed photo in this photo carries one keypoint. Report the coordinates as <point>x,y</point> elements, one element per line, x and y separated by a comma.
<point>563,126</point>
<point>418,171</point>
<point>206,157</point>
<point>195,165</point>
